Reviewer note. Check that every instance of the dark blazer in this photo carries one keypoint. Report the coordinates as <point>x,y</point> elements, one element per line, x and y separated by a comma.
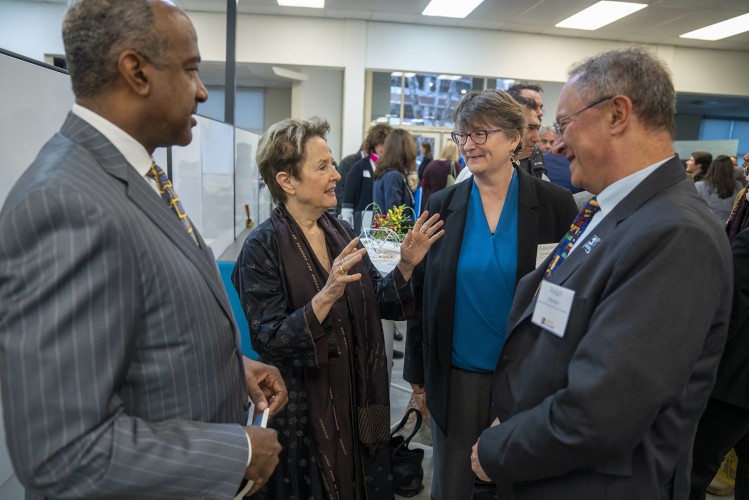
<point>609,410</point>
<point>357,194</point>
<point>545,212</point>
<point>732,383</point>
<point>119,357</point>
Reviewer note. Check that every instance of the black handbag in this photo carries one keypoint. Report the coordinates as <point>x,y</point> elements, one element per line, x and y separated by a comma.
<point>408,473</point>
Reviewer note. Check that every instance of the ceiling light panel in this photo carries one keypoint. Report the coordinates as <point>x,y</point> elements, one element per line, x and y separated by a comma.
<point>600,14</point>
<point>451,8</point>
<point>720,30</point>
<point>310,4</point>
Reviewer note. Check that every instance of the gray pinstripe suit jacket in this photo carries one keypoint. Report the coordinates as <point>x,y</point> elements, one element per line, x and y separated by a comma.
<point>120,367</point>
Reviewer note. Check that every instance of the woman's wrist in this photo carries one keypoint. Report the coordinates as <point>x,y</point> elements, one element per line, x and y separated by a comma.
<point>321,304</point>
<point>405,269</point>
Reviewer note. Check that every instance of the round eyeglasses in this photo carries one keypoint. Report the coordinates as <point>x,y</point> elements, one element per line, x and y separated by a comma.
<point>562,123</point>
<point>477,136</point>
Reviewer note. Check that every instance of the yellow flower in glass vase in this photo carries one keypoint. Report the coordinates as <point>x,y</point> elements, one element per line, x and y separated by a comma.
<point>396,220</point>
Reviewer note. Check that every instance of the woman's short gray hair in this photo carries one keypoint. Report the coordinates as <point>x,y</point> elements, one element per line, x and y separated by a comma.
<point>282,148</point>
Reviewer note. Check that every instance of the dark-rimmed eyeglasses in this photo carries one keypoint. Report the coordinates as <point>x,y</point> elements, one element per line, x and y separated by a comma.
<point>560,125</point>
<point>477,136</point>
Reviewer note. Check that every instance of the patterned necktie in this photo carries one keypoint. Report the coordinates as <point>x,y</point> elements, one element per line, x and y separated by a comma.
<point>576,229</point>
<point>170,197</point>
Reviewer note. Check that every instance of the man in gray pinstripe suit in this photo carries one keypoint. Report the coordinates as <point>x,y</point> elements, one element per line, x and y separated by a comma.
<point>119,357</point>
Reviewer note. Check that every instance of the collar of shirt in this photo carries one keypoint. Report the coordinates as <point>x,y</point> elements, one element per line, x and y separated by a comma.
<point>133,151</point>
<point>610,197</point>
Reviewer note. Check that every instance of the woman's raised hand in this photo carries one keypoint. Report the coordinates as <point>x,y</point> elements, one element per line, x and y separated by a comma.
<point>418,241</point>
<point>339,275</point>
<point>338,278</point>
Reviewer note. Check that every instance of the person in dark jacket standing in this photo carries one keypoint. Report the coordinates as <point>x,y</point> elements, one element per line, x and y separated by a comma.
<point>426,151</point>
<point>357,193</point>
<point>725,422</point>
<point>496,223</point>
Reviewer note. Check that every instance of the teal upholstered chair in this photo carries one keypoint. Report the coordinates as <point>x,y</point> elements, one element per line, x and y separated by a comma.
<point>226,269</point>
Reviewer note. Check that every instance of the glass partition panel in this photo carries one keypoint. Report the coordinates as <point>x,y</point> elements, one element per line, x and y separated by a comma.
<point>203,175</point>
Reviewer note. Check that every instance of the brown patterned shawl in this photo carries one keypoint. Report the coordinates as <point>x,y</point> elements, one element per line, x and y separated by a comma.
<point>359,309</point>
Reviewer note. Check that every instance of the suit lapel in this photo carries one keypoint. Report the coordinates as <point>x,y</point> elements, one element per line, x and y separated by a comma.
<point>142,195</point>
<point>663,177</point>
<point>455,223</point>
<point>528,222</point>
<point>145,198</point>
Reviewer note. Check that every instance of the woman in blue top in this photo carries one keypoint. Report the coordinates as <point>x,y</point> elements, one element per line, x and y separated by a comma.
<point>390,188</point>
<point>496,226</point>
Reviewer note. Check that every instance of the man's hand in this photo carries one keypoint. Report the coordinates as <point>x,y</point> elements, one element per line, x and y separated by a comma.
<point>264,383</point>
<point>265,451</point>
<point>475,464</point>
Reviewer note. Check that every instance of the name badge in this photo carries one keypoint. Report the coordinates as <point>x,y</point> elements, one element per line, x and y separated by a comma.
<point>553,308</point>
<point>366,173</point>
<point>543,251</point>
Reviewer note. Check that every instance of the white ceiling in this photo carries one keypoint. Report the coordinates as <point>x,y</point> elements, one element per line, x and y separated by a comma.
<point>660,23</point>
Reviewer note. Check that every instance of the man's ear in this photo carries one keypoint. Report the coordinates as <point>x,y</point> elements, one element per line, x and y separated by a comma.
<point>621,112</point>
<point>134,69</point>
<point>284,180</point>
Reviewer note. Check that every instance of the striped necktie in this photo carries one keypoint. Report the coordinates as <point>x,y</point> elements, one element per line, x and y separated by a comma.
<point>576,229</point>
<point>170,197</point>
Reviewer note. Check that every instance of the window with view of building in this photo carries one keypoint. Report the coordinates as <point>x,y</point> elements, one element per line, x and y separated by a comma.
<point>423,99</point>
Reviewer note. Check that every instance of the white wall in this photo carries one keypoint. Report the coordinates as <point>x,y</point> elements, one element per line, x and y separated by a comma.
<point>31,29</point>
<point>277,105</point>
<point>320,96</point>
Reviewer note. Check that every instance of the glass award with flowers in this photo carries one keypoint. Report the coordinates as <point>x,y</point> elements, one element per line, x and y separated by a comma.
<point>383,237</point>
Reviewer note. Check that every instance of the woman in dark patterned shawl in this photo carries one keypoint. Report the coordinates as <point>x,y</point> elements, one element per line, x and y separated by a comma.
<point>314,301</point>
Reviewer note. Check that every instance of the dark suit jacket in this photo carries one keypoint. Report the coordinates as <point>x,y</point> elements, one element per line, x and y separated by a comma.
<point>357,193</point>
<point>119,356</point>
<point>732,383</point>
<point>610,409</point>
<point>545,212</point>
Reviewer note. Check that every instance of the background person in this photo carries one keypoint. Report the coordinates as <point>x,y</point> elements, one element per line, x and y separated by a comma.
<point>357,193</point>
<point>494,225</point>
<point>603,399</point>
<point>119,359</point>
<point>426,159</point>
<point>548,136</point>
<point>725,422</point>
<point>530,159</point>
<point>697,164</point>
<point>437,172</point>
<point>719,187</point>
<point>343,168</point>
<point>390,187</point>
<point>313,301</point>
